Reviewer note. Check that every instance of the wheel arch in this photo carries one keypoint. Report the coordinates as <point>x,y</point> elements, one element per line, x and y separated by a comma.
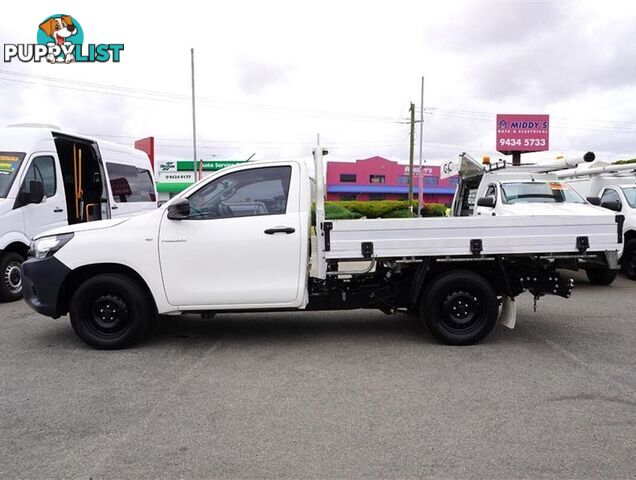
<point>629,235</point>
<point>427,274</point>
<point>17,247</point>
<point>80,274</point>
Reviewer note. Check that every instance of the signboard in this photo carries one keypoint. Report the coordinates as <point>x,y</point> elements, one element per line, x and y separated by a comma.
<point>522,133</point>
<point>426,171</point>
<point>175,177</point>
<point>208,165</point>
<point>449,168</point>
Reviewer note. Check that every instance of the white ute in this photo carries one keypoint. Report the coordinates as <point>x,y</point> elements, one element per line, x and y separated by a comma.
<point>504,190</point>
<point>50,178</point>
<point>612,187</point>
<point>240,241</point>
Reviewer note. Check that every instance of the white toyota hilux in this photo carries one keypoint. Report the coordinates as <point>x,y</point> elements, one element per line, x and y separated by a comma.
<point>240,240</point>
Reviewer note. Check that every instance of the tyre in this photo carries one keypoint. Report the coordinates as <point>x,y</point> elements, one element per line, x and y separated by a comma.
<point>601,276</point>
<point>110,311</point>
<point>459,308</point>
<point>11,276</point>
<point>628,260</point>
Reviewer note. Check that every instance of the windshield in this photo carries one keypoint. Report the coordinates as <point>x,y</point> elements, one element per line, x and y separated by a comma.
<point>539,192</point>
<point>630,195</point>
<point>9,166</point>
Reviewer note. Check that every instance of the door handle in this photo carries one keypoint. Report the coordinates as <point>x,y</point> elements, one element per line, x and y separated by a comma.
<point>58,210</point>
<point>287,230</point>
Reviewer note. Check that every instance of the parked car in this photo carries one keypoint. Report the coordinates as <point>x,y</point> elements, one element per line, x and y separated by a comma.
<point>50,178</point>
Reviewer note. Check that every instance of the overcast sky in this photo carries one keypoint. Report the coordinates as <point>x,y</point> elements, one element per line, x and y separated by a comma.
<point>270,75</point>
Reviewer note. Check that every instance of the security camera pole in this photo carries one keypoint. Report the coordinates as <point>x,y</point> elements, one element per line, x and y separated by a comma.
<point>194,121</point>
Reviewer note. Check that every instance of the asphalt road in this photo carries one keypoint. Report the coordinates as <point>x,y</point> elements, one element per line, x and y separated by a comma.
<point>326,395</point>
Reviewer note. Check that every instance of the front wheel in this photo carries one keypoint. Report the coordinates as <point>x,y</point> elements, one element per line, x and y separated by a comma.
<point>110,311</point>
<point>460,308</point>
<point>601,276</point>
<point>11,280</point>
<point>628,260</point>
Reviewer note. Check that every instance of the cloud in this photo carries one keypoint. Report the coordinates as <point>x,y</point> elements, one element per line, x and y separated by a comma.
<point>256,76</point>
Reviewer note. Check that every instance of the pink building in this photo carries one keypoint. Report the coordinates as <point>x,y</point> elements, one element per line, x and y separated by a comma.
<point>377,178</point>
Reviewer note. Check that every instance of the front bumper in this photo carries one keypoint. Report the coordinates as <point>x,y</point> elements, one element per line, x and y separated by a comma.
<point>42,280</point>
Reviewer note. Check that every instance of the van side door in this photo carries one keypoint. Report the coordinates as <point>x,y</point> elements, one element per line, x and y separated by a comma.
<point>50,212</point>
<point>241,245</point>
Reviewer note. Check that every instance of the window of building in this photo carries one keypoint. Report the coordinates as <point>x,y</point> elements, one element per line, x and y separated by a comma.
<point>376,196</point>
<point>130,184</point>
<point>431,180</point>
<point>377,179</point>
<point>348,177</point>
<point>453,180</point>
<point>348,196</point>
<point>403,179</point>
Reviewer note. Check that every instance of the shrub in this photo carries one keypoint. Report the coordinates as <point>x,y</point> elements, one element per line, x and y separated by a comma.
<point>351,209</point>
<point>435,210</point>
<point>402,213</point>
<point>375,208</point>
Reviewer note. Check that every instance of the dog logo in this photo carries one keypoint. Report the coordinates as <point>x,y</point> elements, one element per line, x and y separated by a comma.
<point>60,29</point>
<point>60,40</point>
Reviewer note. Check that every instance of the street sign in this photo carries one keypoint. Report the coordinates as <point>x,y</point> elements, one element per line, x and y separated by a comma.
<point>522,133</point>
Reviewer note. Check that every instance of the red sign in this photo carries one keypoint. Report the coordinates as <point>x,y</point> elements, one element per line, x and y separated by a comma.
<point>147,145</point>
<point>523,133</point>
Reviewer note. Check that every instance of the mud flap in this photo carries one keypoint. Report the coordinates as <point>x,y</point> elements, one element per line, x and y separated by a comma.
<point>508,316</point>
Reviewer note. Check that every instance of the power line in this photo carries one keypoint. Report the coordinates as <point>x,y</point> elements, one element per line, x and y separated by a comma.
<point>144,94</point>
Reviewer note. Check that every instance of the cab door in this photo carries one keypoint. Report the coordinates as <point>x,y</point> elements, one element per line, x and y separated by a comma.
<point>51,211</point>
<point>240,245</point>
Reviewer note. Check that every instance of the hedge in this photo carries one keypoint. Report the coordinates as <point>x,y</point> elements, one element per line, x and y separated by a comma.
<point>338,210</point>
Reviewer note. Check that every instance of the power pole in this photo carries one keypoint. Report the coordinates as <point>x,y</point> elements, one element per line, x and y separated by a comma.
<point>420,179</point>
<point>411,151</point>
<point>194,120</point>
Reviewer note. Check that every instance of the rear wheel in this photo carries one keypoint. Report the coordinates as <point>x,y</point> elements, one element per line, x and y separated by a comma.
<point>628,260</point>
<point>110,311</point>
<point>11,276</point>
<point>601,276</point>
<point>459,308</point>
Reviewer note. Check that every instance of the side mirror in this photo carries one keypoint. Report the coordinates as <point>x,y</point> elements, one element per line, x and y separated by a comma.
<point>36,192</point>
<point>594,201</point>
<point>489,202</point>
<point>614,205</point>
<point>179,210</point>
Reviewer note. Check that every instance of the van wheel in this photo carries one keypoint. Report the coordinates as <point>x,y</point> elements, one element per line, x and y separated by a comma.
<point>628,260</point>
<point>11,277</point>
<point>601,276</point>
<point>459,308</point>
<point>110,311</point>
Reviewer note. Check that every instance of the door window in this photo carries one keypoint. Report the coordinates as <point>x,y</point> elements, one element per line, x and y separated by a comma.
<point>610,195</point>
<point>258,191</point>
<point>42,169</point>
<point>491,191</point>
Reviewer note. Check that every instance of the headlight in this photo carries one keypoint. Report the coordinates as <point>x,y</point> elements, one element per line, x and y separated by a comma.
<point>47,246</point>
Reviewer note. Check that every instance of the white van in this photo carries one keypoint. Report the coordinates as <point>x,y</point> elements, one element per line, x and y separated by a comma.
<point>51,179</point>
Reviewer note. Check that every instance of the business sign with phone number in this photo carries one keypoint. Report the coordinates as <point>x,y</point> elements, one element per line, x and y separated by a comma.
<point>523,133</point>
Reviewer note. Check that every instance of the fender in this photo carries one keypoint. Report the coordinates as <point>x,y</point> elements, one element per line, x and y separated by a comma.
<point>13,237</point>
